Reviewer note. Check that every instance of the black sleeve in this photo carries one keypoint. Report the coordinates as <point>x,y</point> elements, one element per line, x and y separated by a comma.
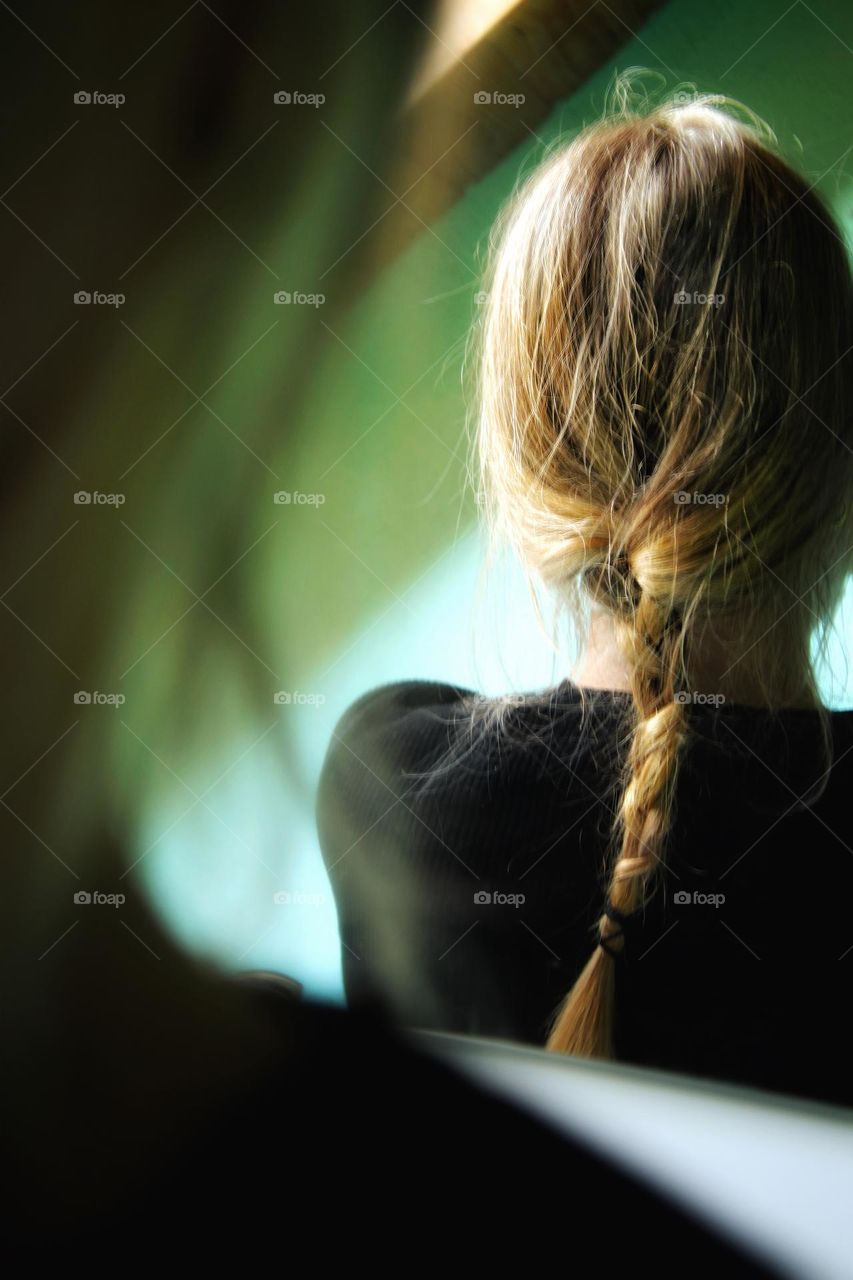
<point>391,852</point>
<point>420,824</point>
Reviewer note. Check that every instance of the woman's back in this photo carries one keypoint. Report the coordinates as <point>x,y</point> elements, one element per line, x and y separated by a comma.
<point>467,847</point>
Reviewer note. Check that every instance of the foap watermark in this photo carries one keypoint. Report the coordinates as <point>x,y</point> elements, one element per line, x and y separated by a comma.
<point>290,898</point>
<point>85,298</point>
<point>293,298</point>
<point>94,698</point>
<point>95,98</point>
<point>686,697</point>
<point>494,97</point>
<point>683,898</point>
<point>296,98</point>
<point>293,698</point>
<point>94,498</point>
<point>684,99</point>
<point>84,898</point>
<point>481,298</point>
<point>294,498</point>
<point>683,498</point>
<point>485,898</point>
<point>696,299</point>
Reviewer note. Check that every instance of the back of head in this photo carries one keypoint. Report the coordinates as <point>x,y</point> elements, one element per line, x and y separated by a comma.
<point>665,433</point>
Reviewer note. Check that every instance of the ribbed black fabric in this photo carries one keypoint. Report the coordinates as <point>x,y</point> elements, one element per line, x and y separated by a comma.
<point>424,808</point>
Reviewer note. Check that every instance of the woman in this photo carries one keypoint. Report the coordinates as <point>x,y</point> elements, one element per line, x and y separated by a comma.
<point>651,860</point>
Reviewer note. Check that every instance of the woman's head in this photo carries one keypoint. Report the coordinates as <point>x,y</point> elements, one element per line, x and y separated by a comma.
<point>666,431</point>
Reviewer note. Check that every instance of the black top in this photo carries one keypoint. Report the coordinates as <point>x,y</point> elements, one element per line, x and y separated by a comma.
<point>466,853</point>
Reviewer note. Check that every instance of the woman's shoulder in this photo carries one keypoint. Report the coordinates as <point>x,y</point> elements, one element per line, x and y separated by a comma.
<point>402,702</point>
<point>392,731</point>
<point>425,724</point>
<point>443,752</point>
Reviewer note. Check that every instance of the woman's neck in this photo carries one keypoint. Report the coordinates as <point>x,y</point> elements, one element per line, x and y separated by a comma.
<point>728,665</point>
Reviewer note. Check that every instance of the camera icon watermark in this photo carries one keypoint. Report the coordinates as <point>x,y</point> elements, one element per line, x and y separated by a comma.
<point>94,497</point>
<point>484,98</point>
<point>484,898</point>
<point>687,697</point>
<point>682,898</point>
<point>296,98</point>
<point>286,498</point>
<point>86,298</point>
<point>94,98</point>
<point>289,898</point>
<point>685,99</point>
<point>294,298</point>
<point>92,697</point>
<point>293,698</point>
<point>683,498</point>
<point>682,299</point>
<point>83,898</point>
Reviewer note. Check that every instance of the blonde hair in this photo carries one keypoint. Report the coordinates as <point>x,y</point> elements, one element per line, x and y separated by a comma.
<point>664,434</point>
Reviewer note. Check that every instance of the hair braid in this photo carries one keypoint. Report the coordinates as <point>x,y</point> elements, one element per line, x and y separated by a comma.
<point>651,638</point>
